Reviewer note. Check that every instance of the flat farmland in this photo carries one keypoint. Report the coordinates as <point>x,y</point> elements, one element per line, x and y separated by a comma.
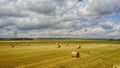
<point>45,54</point>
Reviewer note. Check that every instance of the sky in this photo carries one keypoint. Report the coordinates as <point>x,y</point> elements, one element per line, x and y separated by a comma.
<point>60,19</point>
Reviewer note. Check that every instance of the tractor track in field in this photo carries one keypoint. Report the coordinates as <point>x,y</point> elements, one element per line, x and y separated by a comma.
<point>101,56</point>
<point>42,62</point>
<point>105,54</point>
<point>26,56</point>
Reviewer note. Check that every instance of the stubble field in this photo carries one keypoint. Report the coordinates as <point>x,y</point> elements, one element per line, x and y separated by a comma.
<point>45,54</point>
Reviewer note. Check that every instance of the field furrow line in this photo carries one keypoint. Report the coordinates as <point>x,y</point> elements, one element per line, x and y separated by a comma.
<point>106,54</point>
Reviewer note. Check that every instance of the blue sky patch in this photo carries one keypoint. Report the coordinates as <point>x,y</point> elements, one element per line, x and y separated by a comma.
<point>80,0</point>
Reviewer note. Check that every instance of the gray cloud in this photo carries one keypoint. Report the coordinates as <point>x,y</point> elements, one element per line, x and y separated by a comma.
<point>98,7</point>
<point>9,8</point>
<point>43,7</point>
<point>8,32</point>
<point>59,18</point>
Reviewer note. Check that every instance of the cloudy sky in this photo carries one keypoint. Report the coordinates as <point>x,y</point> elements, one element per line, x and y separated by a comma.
<point>59,18</point>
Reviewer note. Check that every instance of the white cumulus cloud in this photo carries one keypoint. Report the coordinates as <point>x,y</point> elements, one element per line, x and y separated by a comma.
<point>59,18</point>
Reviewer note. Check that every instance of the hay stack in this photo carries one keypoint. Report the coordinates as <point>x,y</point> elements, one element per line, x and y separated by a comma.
<point>75,54</point>
<point>78,47</point>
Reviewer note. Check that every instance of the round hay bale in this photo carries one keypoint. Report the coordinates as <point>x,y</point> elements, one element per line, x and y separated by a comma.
<point>57,43</point>
<point>67,44</point>
<point>116,66</point>
<point>75,54</point>
<point>28,44</point>
<point>58,46</point>
<point>13,46</point>
<point>78,47</point>
<point>10,44</point>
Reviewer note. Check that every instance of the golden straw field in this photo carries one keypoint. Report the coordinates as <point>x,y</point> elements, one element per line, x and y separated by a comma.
<point>45,54</point>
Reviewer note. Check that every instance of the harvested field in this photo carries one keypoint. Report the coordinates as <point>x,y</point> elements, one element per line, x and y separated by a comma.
<point>44,54</point>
